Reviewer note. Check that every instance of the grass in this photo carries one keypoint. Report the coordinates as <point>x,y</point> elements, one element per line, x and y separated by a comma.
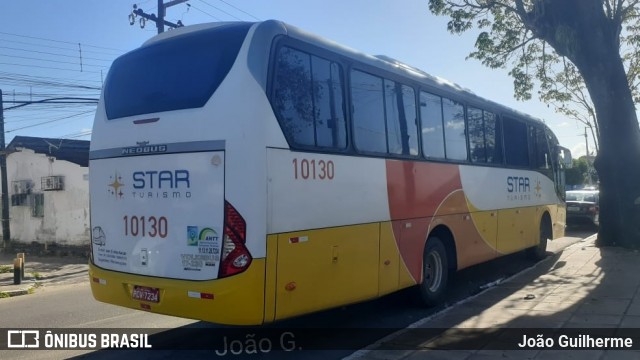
<point>4,295</point>
<point>34,287</point>
<point>36,275</point>
<point>5,269</point>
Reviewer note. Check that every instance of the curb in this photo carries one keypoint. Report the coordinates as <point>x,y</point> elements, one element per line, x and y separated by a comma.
<point>17,292</point>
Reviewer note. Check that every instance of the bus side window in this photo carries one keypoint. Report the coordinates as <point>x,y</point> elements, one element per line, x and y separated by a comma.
<point>431,120</point>
<point>477,145</point>
<point>485,136</point>
<point>516,149</point>
<point>402,130</point>
<point>454,130</point>
<point>539,150</point>
<point>493,136</point>
<point>368,112</point>
<point>308,99</point>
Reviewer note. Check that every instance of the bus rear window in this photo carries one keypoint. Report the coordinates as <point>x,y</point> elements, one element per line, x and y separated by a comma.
<point>178,73</point>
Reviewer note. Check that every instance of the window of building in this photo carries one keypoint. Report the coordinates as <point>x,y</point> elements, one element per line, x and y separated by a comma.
<point>37,206</point>
<point>19,199</point>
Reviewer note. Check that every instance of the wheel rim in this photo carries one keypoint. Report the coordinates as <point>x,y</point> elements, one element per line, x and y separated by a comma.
<point>433,271</point>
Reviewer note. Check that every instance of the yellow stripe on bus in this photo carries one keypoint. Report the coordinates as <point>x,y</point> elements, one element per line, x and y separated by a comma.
<point>237,300</point>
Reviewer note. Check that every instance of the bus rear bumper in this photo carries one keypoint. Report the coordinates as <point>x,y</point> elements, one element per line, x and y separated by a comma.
<point>236,300</point>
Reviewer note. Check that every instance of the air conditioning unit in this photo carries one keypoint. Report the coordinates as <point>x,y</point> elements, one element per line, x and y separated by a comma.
<point>22,186</point>
<point>50,183</point>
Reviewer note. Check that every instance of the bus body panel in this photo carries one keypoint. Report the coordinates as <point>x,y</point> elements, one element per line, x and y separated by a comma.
<point>237,300</point>
<point>237,126</point>
<point>324,268</point>
<point>321,182</point>
<point>142,221</point>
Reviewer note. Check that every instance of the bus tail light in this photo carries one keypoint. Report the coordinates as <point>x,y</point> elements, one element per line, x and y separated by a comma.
<point>235,255</point>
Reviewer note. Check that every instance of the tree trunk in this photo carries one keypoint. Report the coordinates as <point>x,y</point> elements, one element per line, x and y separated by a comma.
<point>618,162</point>
<point>580,30</point>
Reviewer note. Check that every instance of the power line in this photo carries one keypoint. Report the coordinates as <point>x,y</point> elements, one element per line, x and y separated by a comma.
<point>49,121</point>
<point>240,10</point>
<point>77,134</point>
<point>53,61</point>
<point>53,54</point>
<point>204,12</point>
<point>42,79</point>
<point>61,48</point>
<point>60,100</point>
<point>217,8</point>
<point>47,67</point>
<point>59,41</point>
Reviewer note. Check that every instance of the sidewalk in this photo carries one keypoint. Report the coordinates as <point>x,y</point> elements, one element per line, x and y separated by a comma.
<point>41,271</point>
<point>576,290</point>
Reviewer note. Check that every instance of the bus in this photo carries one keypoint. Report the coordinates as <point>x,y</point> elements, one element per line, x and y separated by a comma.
<point>243,173</point>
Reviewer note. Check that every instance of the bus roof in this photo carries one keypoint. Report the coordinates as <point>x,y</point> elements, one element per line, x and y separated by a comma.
<point>395,66</point>
<point>270,29</point>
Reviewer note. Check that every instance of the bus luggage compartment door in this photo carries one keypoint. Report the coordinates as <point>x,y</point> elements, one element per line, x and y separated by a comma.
<point>324,268</point>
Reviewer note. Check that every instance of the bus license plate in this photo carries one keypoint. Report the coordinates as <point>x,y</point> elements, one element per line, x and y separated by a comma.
<point>146,293</point>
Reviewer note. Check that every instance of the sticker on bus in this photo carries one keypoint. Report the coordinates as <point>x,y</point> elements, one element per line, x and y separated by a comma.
<point>149,219</point>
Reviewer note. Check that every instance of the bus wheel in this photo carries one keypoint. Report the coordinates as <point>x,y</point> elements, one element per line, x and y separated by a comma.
<point>435,272</point>
<point>539,252</point>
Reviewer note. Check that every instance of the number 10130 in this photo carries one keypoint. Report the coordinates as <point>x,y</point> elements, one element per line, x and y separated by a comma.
<point>144,226</point>
<point>313,169</point>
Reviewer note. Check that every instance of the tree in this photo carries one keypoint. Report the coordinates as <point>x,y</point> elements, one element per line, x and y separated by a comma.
<point>538,37</point>
<point>580,173</point>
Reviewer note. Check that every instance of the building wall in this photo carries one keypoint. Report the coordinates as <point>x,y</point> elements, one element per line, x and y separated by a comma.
<point>66,212</point>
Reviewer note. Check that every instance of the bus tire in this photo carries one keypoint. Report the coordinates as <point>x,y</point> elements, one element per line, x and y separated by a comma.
<point>435,272</point>
<point>539,251</point>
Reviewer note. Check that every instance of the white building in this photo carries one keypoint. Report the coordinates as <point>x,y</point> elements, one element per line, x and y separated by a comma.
<point>48,191</point>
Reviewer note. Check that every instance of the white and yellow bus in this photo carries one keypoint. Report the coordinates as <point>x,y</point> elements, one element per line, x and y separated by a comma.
<point>243,173</point>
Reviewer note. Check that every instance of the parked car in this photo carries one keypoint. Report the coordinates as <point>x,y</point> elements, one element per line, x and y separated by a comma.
<point>583,206</point>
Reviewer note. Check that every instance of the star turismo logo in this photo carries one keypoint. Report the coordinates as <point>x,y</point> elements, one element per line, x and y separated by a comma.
<point>538,188</point>
<point>115,186</point>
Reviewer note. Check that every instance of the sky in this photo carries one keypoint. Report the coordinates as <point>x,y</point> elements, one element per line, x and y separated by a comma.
<point>63,49</point>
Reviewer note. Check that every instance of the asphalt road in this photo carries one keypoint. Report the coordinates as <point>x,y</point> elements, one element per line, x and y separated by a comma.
<point>72,306</point>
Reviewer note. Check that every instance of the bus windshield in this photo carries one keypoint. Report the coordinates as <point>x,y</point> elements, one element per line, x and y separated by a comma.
<point>180,73</point>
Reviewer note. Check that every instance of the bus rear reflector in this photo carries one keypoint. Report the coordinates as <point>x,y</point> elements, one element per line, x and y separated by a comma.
<point>200,295</point>
<point>235,255</point>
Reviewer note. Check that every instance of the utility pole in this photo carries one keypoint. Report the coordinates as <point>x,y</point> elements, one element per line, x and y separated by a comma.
<point>159,20</point>
<point>6,232</point>
<point>586,144</point>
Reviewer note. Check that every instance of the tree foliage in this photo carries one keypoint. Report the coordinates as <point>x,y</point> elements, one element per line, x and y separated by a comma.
<point>581,173</point>
<point>583,55</point>
<point>504,40</point>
